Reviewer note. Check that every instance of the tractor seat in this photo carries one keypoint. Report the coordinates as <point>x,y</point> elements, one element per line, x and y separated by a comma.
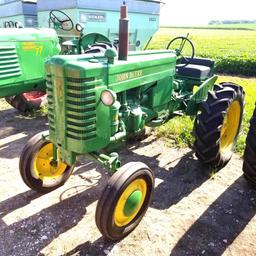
<point>198,68</point>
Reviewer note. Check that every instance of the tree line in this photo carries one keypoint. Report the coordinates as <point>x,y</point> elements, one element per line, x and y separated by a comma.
<point>218,22</point>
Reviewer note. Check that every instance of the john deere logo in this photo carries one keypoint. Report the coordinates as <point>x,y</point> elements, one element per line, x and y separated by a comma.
<point>129,75</point>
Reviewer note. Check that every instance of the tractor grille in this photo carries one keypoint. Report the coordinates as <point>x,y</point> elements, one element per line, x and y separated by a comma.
<point>81,108</point>
<point>49,87</point>
<point>9,63</point>
<point>80,105</point>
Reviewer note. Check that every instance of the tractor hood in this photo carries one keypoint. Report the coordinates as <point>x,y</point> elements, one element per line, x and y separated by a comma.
<point>23,52</point>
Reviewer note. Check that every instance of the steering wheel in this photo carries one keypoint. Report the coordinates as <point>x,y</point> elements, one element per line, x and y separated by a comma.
<point>181,44</point>
<point>61,19</point>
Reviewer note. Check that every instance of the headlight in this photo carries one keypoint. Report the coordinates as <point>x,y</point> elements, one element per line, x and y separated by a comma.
<point>108,97</point>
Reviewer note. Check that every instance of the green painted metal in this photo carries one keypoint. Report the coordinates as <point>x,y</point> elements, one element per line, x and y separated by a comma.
<point>200,95</point>
<point>91,38</point>
<point>146,92</point>
<point>75,84</point>
<point>111,162</point>
<point>23,53</point>
<point>132,203</point>
<point>22,56</point>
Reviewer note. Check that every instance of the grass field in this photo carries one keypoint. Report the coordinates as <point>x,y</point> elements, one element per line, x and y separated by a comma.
<point>178,130</point>
<point>233,50</point>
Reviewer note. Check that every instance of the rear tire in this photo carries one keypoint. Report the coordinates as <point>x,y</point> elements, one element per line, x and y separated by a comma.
<point>249,165</point>
<point>26,102</point>
<point>217,127</point>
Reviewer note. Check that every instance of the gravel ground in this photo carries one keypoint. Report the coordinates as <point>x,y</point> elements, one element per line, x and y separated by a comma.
<point>193,212</point>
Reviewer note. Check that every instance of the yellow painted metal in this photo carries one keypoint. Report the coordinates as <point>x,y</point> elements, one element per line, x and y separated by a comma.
<point>230,127</point>
<point>42,164</point>
<point>120,219</point>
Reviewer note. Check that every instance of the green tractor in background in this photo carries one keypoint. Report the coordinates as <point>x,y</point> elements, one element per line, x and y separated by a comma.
<point>249,165</point>
<point>23,52</point>
<point>97,101</point>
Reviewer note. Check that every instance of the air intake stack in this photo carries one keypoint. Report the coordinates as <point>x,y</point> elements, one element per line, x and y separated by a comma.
<point>123,33</point>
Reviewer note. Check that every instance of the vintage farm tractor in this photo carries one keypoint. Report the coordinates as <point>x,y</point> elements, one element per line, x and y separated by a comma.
<point>249,165</point>
<point>23,52</point>
<point>96,101</point>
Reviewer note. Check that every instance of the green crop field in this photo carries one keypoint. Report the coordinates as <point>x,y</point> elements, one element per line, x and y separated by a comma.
<point>233,50</point>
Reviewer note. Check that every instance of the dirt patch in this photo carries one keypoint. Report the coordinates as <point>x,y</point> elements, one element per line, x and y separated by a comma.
<point>193,212</point>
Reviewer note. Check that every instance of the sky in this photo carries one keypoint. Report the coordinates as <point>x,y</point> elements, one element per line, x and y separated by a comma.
<point>199,12</point>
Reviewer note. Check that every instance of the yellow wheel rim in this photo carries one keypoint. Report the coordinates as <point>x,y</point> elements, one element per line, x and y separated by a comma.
<point>121,217</point>
<point>42,164</point>
<point>230,127</point>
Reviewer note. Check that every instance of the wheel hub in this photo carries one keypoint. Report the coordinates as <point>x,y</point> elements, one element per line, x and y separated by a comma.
<point>230,127</point>
<point>43,164</point>
<point>130,202</point>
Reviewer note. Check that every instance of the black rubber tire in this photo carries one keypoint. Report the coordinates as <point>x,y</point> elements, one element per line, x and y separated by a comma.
<point>26,164</point>
<point>208,124</point>
<point>23,105</point>
<point>111,194</point>
<point>249,165</point>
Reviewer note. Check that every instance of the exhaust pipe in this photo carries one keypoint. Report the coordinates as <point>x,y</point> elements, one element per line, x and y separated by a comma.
<point>123,33</point>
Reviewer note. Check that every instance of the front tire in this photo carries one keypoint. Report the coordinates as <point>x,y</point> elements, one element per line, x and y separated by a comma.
<point>124,200</point>
<point>249,165</point>
<point>217,127</point>
<point>36,167</point>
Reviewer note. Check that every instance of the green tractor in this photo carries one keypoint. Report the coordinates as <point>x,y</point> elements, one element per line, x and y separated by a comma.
<point>23,52</point>
<point>98,101</point>
<point>249,165</point>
